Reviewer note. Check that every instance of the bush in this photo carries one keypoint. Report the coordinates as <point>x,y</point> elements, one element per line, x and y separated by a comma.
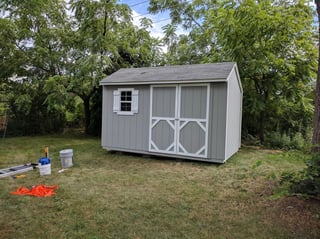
<point>284,141</point>
<point>298,142</point>
<point>306,181</point>
<point>28,110</point>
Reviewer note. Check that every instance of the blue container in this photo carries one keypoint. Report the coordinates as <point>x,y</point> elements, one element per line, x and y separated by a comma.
<point>44,161</point>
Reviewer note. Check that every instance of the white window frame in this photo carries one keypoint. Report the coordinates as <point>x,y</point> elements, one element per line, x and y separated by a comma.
<point>117,101</point>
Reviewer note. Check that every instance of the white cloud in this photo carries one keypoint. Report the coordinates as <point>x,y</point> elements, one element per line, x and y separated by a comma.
<point>158,22</point>
<point>156,30</point>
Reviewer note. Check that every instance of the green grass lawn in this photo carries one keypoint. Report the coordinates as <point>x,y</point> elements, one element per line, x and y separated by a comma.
<point>112,195</point>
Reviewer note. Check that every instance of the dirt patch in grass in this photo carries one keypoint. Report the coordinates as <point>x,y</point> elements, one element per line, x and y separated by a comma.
<point>296,215</point>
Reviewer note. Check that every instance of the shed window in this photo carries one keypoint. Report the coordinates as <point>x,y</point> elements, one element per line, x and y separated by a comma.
<point>125,101</point>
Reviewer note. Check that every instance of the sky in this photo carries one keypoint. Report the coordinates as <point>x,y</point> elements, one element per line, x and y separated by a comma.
<point>140,9</point>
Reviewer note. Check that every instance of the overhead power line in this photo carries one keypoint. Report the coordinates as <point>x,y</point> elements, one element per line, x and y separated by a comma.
<point>162,20</point>
<point>139,3</point>
<point>144,14</point>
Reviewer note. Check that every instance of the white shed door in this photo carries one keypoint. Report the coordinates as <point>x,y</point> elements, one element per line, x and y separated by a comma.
<point>179,120</point>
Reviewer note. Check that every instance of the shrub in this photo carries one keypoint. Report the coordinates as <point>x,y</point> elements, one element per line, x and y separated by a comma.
<point>284,141</point>
<point>306,181</point>
<point>298,142</point>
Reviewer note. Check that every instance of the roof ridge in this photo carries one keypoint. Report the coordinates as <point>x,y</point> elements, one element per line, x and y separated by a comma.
<point>184,65</point>
<point>172,73</point>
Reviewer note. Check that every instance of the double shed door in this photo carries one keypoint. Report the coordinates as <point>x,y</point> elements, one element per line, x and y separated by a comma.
<point>179,119</point>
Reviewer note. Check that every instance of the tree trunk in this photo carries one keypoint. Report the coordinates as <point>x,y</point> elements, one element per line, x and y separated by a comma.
<point>262,127</point>
<point>316,122</point>
<point>87,113</point>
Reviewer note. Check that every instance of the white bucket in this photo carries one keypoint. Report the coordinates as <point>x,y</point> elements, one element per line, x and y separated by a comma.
<point>45,169</point>
<point>66,156</point>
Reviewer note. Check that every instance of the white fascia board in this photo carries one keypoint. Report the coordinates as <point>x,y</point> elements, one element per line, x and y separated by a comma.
<point>235,69</point>
<point>162,82</point>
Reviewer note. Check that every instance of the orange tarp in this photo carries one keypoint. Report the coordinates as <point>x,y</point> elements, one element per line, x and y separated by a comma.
<point>37,191</point>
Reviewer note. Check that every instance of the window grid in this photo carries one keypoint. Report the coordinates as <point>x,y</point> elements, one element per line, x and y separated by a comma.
<point>125,101</point>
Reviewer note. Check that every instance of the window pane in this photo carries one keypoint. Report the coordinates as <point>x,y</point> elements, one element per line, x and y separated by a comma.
<point>125,106</point>
<point>123,95</point>
<point>126,95</point>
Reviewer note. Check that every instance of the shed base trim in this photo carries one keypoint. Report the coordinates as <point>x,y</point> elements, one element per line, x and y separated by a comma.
<point>173,156</point>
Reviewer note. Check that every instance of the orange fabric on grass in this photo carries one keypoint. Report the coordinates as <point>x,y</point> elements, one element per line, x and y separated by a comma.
<point>37,191</point>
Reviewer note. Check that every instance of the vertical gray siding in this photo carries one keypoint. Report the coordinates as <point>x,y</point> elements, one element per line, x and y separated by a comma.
<point>163,106</point>
<point>162,135</point>
<point>192,137</point>
<point>126,131</point>
<point>193,102</point>
<point>234,116</point>
<point>104,126</point>
<point>217,122</point>
<point>193,105</point>
<point>164,102</point>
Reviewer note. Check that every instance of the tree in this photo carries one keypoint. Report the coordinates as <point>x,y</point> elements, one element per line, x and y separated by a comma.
<point>270,46</point>
<point>307,181</point>
<point>65,56</point>
<point>102,40</point>
<point>37,29</point>
<point>10,57</point>
<point>31,47</point>
<point>272,43</point>
<point>316,127</point>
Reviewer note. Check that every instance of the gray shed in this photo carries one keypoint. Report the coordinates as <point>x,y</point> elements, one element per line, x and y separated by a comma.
<point>190,111</point>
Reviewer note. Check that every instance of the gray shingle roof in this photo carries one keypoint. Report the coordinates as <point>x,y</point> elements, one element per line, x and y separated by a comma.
<point>168,74</point>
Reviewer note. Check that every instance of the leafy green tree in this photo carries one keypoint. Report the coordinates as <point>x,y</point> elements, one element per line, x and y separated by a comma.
<point>31,46</point>
<point>197,45</point>
<point>272,43</point>
<point>316,121</point>
<point>37,29</point>
<point>102,40</point>
<point>66,55</point>
<point>307,181</point>
<point>10,57</point>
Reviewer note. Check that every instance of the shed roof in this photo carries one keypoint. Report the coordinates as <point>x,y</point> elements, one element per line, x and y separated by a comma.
<point>169,74</point>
